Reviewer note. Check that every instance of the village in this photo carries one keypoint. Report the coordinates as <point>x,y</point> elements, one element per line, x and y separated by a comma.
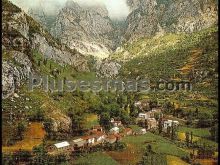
<point>147,120</point>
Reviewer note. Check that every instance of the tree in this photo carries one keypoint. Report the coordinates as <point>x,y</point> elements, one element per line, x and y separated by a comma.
<point>169,107</point>
<point>45,61</point>
<point>197,112</point>
<point>205,152</point>
<point>189,120</point>
<point>133,110</point>
<point>41,157</point>
<point>191,137</point>
<point>36,115</point>
<point>77,118</point>
<point>125,118</point>
<point>168,130</point>
<point>39,62</point>
<point>48,126</point>
<point>61,158</point>
<point>173,131</point>
<point>149,148</point>
<point>157,116</point>
<point>178,112</point>
<point>105,120</point>
<point>205,120</point>
<point>160,126</point>
<point>141,123</point>
<point>214,132</point>
<point>187,138</point>
<point>20,130</point>
<point>146,124</point>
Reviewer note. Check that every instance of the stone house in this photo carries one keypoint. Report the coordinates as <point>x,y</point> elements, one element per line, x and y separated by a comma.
<point>152,123</point>
<point>78,143</point>
<point>116,123</point>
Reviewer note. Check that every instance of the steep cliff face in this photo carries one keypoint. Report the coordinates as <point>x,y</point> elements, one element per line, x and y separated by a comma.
<point>85,28</point>
<point>107,68</point>
<point>156,18</point>
<point>148,18</point>
<point>22,35</point>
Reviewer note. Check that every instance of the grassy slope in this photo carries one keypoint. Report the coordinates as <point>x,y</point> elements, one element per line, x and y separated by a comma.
<point>162,57</point>
<point>201,132</point>
<point>159,145</point>
<point>38,97</point>
<point>96,158</point>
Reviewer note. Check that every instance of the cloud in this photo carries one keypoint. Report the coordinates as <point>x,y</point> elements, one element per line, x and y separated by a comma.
<point>117,8</point>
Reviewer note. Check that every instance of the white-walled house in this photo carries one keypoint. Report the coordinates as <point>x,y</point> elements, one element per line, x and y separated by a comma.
<point>99,137</point>
<point>90,140</point>
<point>116,123</point>
<point>150,114</point>
<point>79,142</point>
<point>143,131</point>
<point>62,146</point>
<point>142,115</point>
<point>114,130</point>
<point>168,123</point>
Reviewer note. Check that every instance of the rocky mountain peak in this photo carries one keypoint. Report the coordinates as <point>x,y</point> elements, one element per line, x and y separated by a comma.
<point>148,17</point>
<point>85,28</point>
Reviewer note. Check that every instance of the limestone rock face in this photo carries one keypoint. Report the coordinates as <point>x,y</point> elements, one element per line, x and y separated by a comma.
<point>87,29</point>
<point>107,68</point>
<point>60,55</point>
<point>149,17</point>
<point>62,123</point>
<point>14,75</point>
<point>20,36</point>
<point>142,21</point>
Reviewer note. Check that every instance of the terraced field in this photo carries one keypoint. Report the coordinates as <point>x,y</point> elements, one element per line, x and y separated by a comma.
<point>32,137</point>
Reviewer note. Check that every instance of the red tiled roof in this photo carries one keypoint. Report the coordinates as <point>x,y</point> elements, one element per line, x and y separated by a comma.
<point>99,133</point>
<point>86,137</point>
<point>117,136</point>
<point>111,137</point>
<point>97,127</point>
<point>128,129</point>
<point>96,133</point>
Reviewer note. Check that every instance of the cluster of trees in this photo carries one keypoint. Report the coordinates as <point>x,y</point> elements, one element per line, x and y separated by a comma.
<point>205,152</point>
<point>152,158</point>
<point>115,105</point>
<point>189,138</point>
<point>36,115</point>
<point>172,131</point>
<point>204,119</point>
<point>20,130</point>
<point>106,105</point>
<point>214,132</point>
<point>118,146</point>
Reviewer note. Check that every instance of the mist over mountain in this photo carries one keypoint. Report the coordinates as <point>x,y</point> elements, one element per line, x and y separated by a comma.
<point>116,9</point>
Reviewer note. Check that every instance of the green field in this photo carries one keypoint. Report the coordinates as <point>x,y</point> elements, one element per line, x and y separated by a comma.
<point>201,132</point>
<point>97,158</point>
<point>159,144</point>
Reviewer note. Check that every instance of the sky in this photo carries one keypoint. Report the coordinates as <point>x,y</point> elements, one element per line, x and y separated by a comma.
<point>117,8</point>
